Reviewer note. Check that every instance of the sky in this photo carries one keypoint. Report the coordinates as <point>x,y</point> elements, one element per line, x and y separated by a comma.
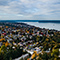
<point>29,9</point>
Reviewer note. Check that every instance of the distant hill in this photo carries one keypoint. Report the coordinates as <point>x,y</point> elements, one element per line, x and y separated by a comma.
<point>11,21</point>
<point>40,21</point>
<point>49,21</point>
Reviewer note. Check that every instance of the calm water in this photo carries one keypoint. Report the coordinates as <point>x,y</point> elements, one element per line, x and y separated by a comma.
<point>45,25</point>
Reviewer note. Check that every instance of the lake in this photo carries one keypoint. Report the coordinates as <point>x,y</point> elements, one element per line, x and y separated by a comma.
<point>55,26</point>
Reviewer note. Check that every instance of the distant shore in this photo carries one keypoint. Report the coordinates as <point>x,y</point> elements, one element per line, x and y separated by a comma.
<point>40,21</point>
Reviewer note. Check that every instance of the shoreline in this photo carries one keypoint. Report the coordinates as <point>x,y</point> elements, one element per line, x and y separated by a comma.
<point>44,27</point>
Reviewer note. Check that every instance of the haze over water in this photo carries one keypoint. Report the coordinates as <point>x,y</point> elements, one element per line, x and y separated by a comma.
<point>55,26</point>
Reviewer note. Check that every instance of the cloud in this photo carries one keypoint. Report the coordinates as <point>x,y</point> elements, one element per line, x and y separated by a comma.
<point>29,9</point>
<point>19,15</point>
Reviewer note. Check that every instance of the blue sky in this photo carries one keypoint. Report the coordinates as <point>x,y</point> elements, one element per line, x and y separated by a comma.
<point>29,9</point>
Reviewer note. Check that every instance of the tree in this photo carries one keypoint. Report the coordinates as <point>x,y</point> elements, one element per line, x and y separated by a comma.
<point>55,52</point>
<point>3,48</point>
<point>45,56</point>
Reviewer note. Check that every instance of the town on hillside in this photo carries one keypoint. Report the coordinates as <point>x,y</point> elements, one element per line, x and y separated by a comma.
<point>20,41</point>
